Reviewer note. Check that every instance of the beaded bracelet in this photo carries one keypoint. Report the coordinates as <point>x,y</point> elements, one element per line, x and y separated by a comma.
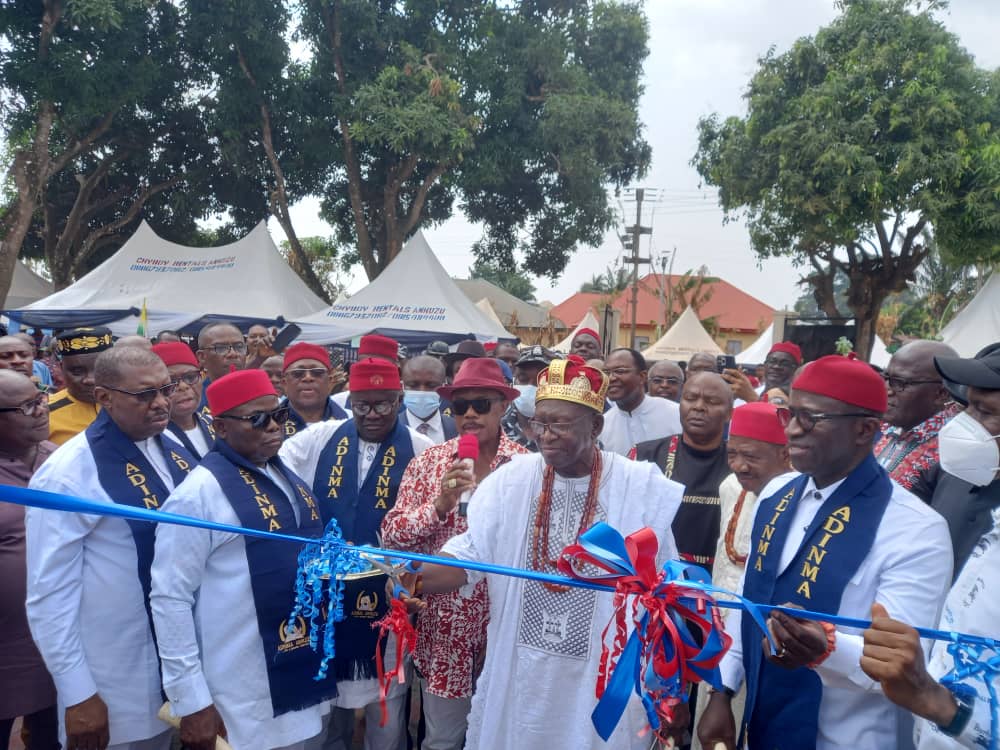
<point>831,644</point>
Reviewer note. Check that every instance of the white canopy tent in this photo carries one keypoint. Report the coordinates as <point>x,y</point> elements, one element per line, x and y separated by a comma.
<point>978,323</point>
<point>589,321</point>
<point>26,287</point>
<point>413,300</point>
<point>685,337</point>
<point>756,353</point>
<point>245,279</point>
<point>486,309</point>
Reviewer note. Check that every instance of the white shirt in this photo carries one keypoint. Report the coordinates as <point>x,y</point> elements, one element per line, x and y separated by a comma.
<point>85,605</point>
<point>206,621</point>
<point>652,419</point>
<point>301,454</point>
<point>907,570</point>
<point>972,607</point>
<point>435,428</point>
<point>536,691</point>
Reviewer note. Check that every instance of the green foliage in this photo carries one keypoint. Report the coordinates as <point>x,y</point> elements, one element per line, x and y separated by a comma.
<point>324,255</point>
<point>806,303</point>
<point>855,141</point>
<point>513,281</point>
<point>612,281</point>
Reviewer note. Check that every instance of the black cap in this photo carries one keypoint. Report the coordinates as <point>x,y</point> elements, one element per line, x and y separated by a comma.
<point>437,349</point>
<point>982,371</point>
<point>536,354</point>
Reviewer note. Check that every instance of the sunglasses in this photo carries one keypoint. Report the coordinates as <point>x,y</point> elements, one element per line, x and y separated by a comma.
<point>148,395</point>
<point>480,405</point>
<point>260,419</point>
<point>29,407</point>
<point>190,378</point>
<point>381,408</point>
<point>223,349</point>
<point>314,372</point>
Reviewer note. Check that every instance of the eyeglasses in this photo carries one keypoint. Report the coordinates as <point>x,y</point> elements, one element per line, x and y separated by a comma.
<point>260,419</point>
<point>665,381</point>
<point>148,395</point>
<point>190,378</point>
<point>558,429</point>
<point>222,350</point>
<point>29,407</point>
<point>364,408</point>
<point>480,405</point>
<point>899,384</point>
<point>787,364</point>
<point>807,419</point>
<point>620,372</point>
<point>315,372</point>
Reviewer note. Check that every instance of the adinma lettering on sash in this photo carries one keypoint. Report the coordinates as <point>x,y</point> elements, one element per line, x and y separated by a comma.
<point>260,504</point>
<point>129,479</point>
<point>359,514</point>
<point>203,424</point>
<point>782,709</point>
<point>295,423</point>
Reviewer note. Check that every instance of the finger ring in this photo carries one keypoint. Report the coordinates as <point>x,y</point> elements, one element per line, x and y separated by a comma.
<point>452,483</point>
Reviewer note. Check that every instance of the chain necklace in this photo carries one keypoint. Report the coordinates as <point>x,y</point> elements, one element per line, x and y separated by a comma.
<point>540,559</point>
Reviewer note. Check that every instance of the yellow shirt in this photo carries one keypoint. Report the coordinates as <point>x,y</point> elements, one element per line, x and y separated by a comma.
<point>68,417</point>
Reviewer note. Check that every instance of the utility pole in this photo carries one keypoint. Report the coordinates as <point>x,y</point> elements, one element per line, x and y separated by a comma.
<point>636,231</point>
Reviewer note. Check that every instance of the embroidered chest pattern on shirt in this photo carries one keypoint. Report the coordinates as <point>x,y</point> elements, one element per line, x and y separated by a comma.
<point>559,623</point>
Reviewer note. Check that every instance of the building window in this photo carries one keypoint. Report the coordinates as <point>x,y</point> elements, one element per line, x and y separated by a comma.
<point>734,346</point>
<point>641,342</point>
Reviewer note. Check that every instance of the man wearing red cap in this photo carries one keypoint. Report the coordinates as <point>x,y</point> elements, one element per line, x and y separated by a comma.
<point>451,629</point>
<point>233,665</point>
<point>89,576</point>
<point>756,453</point>
<point>837,538</point>
<point>586,344</point>
<point>306,381</point>
<point>536,690</point>
<point>187,425</point>
<point>779,367</point>
<point>355,467</point>
<point>372,346</point>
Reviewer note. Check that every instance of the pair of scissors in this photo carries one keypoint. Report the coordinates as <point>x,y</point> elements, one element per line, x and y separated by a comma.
<point>393,568</point>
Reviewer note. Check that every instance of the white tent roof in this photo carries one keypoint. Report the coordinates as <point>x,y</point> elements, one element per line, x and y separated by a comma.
<point>686,336</point>
<point>412,298</point>
<point>247,278</point>
<point>25,287</point>
<point>978,324</point>
<point>486,309</point>
<point>589,321</point>
<point>756,353</point>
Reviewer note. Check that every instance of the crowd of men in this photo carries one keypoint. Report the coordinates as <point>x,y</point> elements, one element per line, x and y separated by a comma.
<point>825,485</point>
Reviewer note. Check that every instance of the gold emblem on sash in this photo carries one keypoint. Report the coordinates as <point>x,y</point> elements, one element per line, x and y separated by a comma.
<point>293,635</point>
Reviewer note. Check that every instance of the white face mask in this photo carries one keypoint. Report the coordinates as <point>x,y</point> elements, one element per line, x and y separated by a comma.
<point>525,403</point>
<point>968,451</point>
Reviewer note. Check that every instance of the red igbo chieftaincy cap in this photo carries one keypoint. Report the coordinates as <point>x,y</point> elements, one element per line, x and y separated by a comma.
<point>788,348</point>
<point>175,353</point>
<point>237,388</point>
<point>374,375</point>
<point>758,420</point>
<point>844,379</point>
<point>305,351</point>
<point>374,345</point>
<point>589,332</point>
<point>490,346</point>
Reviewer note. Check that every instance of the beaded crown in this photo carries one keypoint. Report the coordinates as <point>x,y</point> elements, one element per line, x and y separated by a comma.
<point>580,388</point>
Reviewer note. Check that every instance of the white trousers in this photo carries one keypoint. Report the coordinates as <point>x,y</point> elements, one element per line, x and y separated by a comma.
<point>159,742</point>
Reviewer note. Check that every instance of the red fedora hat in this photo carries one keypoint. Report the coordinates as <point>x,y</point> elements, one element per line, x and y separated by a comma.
<point>479,372</point>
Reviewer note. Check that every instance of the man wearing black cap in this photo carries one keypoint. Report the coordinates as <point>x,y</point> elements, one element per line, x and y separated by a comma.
<point>465,350</point>
<point>532,361</point>
<point>72,409</point>
<point>968,489</point>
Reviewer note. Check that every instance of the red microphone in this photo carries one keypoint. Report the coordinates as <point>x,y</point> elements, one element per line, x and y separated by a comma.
<point>468,451</point>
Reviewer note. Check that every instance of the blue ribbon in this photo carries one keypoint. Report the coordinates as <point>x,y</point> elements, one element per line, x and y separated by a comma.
<point>342,557</point>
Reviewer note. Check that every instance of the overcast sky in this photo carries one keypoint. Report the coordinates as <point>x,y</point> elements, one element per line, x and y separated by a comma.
<point>702,55</point>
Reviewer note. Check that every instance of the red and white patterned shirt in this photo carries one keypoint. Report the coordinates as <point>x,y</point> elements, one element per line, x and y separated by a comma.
<point>451,629</point>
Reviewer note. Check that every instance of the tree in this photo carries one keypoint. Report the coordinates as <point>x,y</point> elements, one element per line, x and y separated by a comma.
<point>511,281</point>
<point>527,112</point>
<point>856,141</point>
<point>611,282</point>
<point>326,262</point>
<point>807,304</point>
<point>102,126</point>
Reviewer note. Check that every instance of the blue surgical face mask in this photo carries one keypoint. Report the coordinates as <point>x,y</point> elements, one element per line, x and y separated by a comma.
<point>422,404</point>
<point>525,403</point>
